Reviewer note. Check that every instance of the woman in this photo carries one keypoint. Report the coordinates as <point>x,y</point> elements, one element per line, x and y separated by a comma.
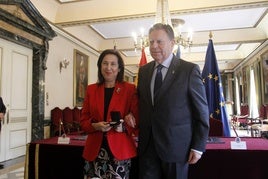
<point>109,149</point>
<point>2,110</point>
<point>2,114</point>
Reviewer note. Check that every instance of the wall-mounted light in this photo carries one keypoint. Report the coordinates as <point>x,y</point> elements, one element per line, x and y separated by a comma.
<point>64,63</point>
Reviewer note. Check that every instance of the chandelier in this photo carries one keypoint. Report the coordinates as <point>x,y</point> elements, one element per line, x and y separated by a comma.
<point>163,16</point>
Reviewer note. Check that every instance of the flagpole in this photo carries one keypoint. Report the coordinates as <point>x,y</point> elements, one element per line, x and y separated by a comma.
<point>210,35</point>
<point>114,44</point>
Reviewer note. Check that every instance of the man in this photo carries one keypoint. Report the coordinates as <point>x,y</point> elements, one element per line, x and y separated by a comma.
<point>2,114</point>
<point>174,120</point>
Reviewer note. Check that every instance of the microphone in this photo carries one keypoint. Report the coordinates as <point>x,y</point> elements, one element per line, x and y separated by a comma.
<point>237,139</point>
<point>63,129</point>
<point>237,143</point>
<point>62,139</point>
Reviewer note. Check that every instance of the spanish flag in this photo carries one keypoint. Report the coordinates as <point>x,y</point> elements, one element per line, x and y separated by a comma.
<point>143,61</point>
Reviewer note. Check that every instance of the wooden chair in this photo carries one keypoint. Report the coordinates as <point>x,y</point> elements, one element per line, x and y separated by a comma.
<point>242,119</point>
<point>216,127</point>
<point>76,119</point>
<point>255,125</point>
<point>56,118</point>
<point>68,120</point>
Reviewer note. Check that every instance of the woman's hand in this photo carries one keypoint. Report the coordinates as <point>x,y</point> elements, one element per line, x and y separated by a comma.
<point>130,120</point>
<point>102,126</point>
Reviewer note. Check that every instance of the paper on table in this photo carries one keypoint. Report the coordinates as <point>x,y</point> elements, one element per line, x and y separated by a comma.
<point>63,139</point>
<point>241,145</point>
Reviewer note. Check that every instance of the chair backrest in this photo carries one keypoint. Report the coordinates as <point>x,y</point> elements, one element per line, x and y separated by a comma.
<point>67,115</point>
<point>216,127</point>
<point>76,114</point>
<point>56,117</point>
<point>68,119</point>
<point>262,111</point>
<point>76,117</point>
<point>244,110</point>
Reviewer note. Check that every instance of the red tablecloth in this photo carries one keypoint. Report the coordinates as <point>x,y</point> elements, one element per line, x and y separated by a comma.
<point>221,162</point>
<point>75,140</point>
<point>252,144</point>
<point>47,159</point>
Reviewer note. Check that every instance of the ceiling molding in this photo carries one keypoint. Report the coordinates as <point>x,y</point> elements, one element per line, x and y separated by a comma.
<point>180,12</point>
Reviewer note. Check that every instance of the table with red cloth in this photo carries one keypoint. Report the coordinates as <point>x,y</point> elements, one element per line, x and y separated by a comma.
<point>45,159</point>
<point>221,162</point>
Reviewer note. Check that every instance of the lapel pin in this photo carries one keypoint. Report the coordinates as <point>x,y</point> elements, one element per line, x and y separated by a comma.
<point>118,90</point>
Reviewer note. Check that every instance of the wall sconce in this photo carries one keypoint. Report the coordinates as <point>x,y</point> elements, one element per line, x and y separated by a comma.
<point>64,63</point>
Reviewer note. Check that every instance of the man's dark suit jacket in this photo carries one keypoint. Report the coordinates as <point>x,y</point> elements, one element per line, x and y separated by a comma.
<point>179,119</point>
<point>2,108</point>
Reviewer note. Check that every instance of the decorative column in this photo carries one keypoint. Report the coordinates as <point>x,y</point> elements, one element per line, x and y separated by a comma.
<point>38,91</point>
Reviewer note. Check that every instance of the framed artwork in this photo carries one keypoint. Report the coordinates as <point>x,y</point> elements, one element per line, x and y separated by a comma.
<point>264,59</point>
<point>80,77</point>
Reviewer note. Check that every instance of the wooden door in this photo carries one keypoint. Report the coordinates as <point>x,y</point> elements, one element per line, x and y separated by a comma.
<point>16,80</point>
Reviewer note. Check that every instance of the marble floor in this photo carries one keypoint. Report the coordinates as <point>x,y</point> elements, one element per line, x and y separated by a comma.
<point>14,174</point>
<point>13,169</point>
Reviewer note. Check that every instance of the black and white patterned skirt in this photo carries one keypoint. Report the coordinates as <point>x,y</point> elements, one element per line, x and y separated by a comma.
<point>106,166</point>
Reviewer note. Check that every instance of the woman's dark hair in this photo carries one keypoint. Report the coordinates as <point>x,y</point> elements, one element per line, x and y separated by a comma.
<point>120,75</point>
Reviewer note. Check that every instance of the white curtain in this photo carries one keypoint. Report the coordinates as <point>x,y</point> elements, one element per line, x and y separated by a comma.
<point>237,96</point>
<point>253,105</point>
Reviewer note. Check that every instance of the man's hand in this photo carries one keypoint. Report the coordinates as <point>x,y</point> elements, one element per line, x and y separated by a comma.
<point>130,120</point>
<point>194,157</point>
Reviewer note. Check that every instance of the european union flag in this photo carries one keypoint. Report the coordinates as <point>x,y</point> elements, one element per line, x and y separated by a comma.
<point>212,80</point>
